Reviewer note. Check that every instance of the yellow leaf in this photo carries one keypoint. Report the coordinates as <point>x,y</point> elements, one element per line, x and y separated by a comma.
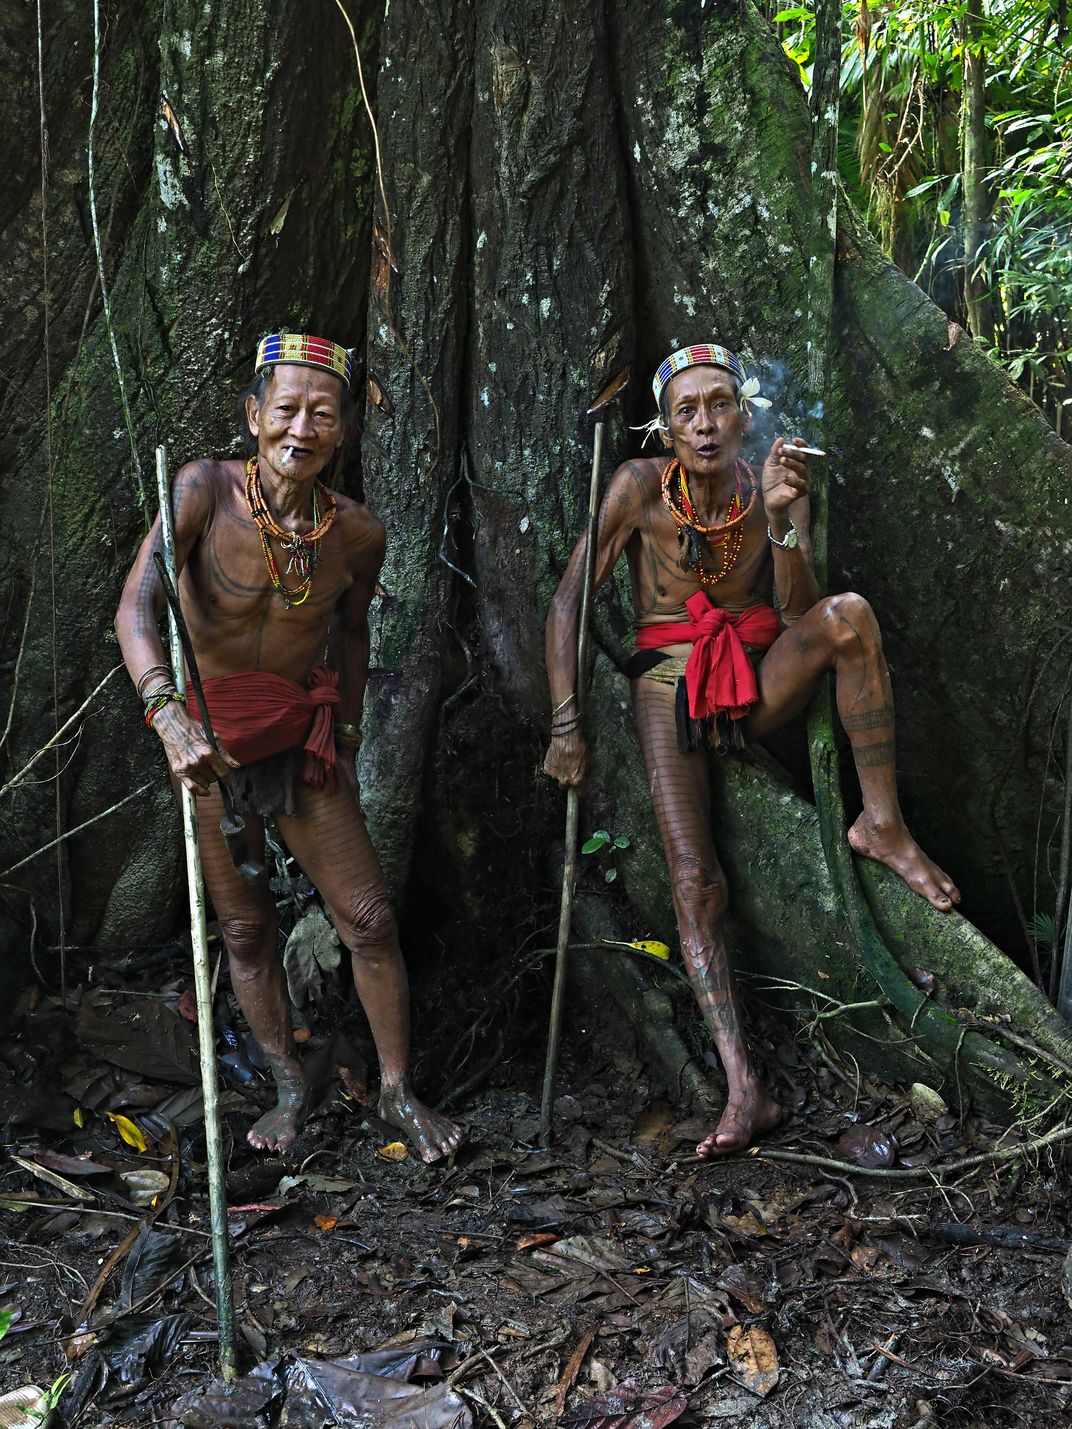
<point>79,1117</point>
<point>753,1358</point>
<point>129,1130</point>
<point>326,1223</point>
<point>393,1151</point>
<point>654,949</point>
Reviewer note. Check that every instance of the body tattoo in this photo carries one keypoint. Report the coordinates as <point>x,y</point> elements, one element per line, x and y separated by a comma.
<point>868,719</point>
<point>872,756</point>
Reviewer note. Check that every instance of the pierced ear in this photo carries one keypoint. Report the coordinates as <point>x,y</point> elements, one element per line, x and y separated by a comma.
<point>746,418</point>
<point>666,438</point>
<point>252,416</point>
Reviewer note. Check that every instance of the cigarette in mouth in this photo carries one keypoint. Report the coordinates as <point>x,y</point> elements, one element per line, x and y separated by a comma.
<point>286,456</point>
<point>804,451</point>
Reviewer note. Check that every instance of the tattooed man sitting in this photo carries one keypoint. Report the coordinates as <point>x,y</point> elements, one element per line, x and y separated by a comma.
<point>276,569</point>
<point>709,545</point>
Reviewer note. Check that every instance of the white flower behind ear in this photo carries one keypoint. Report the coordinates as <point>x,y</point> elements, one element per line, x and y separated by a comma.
<point>650,429</point>
<point>750,394</point>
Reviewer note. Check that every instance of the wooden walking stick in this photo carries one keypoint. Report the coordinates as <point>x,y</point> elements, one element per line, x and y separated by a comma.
<point>202,984</point>
<point>573,798</point>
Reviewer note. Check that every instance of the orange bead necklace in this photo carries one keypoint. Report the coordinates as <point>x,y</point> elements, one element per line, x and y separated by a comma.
<point>695,540</point>
<point>300,546</point>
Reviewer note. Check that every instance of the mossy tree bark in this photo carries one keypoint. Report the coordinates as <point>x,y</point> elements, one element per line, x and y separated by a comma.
<point>567,188</point>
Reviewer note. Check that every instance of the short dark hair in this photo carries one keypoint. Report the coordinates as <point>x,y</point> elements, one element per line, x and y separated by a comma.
<point>258,389</point>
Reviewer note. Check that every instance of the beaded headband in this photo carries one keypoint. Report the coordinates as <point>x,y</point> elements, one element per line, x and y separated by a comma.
<point>702,354</point>
<point>305,351</point>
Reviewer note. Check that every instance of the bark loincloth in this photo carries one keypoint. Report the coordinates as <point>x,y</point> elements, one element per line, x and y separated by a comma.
<point>267,786</point>
<point>716,684</point>
<point>262,720</point>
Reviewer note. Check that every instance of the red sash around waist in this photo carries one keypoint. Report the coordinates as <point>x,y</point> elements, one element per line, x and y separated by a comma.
<point>719,676</point>
<point>256,715</point>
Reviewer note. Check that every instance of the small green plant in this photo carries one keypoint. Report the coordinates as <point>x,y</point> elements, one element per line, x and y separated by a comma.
<point>42,1409</point>
<point>601,840</point>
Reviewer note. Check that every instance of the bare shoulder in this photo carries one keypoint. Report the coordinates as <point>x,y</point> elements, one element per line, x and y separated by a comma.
<point>199,488</point>
<point>635,483</point>
<point>364,535</point>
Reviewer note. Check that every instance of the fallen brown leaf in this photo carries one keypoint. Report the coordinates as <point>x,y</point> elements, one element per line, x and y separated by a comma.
<point>538,1238</point>
<point>753,1357</point>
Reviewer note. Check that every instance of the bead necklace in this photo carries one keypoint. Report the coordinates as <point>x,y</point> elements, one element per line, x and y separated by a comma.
<point>695,539</point>
<point>301,546</point>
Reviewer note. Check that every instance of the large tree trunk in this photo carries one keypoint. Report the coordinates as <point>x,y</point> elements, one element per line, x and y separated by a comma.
<point>568,187</point>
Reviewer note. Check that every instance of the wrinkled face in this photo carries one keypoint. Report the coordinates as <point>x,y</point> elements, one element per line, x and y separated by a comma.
<point>706,422</point>
<point>298,424</point>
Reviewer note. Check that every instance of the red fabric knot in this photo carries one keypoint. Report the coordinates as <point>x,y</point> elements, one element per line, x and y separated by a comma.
<point>256,715</point>
<point>719,676</point>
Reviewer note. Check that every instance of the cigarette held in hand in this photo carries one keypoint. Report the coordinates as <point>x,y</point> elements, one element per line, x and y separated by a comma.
<point>803,451</point>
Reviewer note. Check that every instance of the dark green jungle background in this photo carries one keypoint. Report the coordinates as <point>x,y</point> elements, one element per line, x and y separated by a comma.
<point>566,188</point>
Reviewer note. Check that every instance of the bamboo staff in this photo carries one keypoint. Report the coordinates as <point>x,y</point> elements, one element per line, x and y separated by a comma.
<point>573,797</point>
<point>202,983</point>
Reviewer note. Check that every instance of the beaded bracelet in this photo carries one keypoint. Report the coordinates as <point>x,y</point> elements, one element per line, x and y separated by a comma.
<point>153,709</point>
<point>162,688</point>
<point>348,734</point>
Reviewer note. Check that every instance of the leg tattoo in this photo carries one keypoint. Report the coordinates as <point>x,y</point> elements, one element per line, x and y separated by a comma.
<point>329,839</point>
<point>681,803</point>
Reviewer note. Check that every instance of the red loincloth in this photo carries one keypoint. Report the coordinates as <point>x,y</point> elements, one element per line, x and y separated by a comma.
<point>719,676</point>
<point>256,715</point>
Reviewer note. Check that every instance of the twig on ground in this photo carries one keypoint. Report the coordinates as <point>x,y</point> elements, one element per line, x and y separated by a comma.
<point>631,1158</point>
<point>79,1209</point>
<point>903,1173</point>
<point>483,1403</point>
<point>507,1385</point>
<point>477,1078</point>
<point>884,1358</point>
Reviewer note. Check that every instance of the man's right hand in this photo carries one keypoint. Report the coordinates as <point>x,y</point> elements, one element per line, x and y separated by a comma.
<point>567,760</point>
<point>193,761</point>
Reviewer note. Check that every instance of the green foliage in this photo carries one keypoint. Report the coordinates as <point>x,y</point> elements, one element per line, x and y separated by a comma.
<point>601,840</point>
<point>902,82</point>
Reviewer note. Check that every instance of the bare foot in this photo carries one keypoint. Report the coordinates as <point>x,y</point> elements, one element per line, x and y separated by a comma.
<point>897,849</point>
<point>432,1135</point>
<point>750,1111</point>
<point>278,1128</point>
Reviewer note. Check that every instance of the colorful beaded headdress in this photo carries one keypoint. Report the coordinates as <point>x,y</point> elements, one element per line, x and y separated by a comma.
<point>305,351</point>
<point>702,354</point>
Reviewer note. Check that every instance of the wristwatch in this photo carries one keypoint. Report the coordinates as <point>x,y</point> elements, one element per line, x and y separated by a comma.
<point>791,538</point>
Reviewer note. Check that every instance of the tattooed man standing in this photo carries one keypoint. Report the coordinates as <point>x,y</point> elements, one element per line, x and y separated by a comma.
<point>709,544</point>
<point>275,571</point>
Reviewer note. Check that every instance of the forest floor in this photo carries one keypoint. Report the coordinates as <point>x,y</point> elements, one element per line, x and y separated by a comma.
<point>613,1280</point>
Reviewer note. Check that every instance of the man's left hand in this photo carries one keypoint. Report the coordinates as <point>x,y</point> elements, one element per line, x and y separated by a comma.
<point>785,476</point>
